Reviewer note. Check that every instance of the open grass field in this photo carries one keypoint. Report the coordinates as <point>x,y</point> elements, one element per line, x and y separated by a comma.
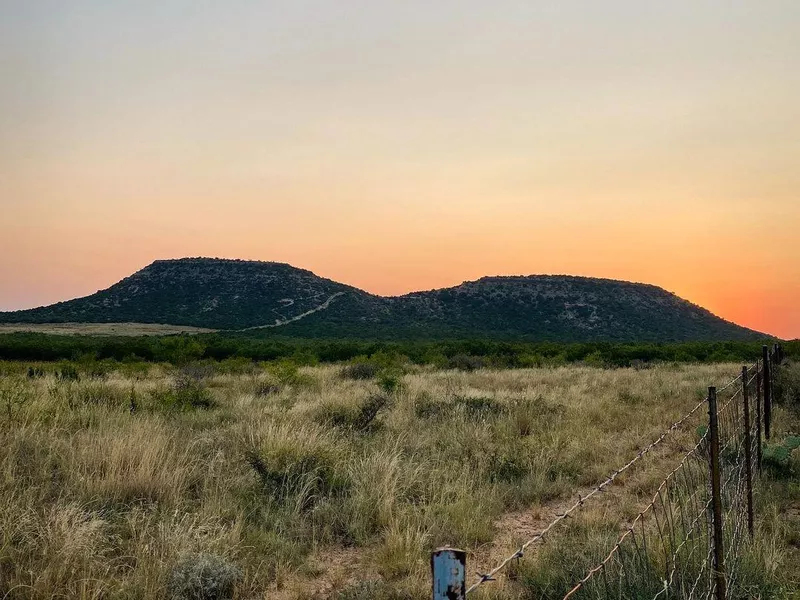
<point>337,482</point>
<point>101,329</point>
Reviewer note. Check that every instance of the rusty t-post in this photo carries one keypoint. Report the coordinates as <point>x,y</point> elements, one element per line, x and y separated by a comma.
<point>759,367</point>
<point>748,465</point>
<point>716,495</point>
<point>767,390</point>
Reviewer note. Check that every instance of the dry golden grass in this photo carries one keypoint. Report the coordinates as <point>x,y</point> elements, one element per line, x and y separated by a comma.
<point>101,329</point>
<point>283,477</point>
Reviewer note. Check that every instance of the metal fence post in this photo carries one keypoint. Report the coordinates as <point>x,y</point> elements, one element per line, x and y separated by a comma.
<point>759,367</point>
<point>448,567</point>
<point>748,468</point>
<point>767,391</point>
<point>716,495</point>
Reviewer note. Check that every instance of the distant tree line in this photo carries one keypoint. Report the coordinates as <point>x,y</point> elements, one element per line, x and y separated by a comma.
<point>181,349</point>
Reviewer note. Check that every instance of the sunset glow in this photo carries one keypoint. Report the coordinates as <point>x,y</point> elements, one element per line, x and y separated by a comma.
<point>406,146</point>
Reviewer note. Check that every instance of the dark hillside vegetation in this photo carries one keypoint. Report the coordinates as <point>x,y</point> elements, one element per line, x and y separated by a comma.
<point>223,294</point>
<point>273,298</point>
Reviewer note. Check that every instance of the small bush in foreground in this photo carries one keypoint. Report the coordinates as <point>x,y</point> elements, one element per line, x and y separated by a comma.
<point>202,577</point>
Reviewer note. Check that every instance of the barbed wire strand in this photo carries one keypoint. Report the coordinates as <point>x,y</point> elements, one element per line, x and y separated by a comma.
<point>702,570</point>
<point>730,421</point>
<point>734,419</point>
<point>489,576</point>
<point>638,518</point>
<point>674,557</point>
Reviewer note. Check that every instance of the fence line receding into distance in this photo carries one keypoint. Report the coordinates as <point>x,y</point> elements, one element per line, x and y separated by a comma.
<point>687,541</point>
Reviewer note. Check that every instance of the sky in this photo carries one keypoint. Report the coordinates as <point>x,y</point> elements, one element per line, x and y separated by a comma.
<point>399,146</point>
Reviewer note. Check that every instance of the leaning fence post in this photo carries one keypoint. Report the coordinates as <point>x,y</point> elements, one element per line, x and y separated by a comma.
<point>716,494</point>
<point>758,414</point>
<point>448,567</point>
<point>767,391</point>
<point>748,467</point>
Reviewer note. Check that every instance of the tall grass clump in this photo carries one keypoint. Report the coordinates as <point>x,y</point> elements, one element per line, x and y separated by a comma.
<point>298,464</point>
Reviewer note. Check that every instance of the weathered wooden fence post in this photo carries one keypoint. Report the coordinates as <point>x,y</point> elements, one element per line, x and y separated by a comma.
<point>716,495</point>
<point>448,567</point>
<point>758,414</point>
<point>767,390</point>
<point>748,458</point>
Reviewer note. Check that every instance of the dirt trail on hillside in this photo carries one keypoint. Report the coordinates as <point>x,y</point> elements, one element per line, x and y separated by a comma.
<point>288,320</point>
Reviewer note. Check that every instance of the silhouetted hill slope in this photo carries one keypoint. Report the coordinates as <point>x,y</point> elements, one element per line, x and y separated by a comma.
<point>223,294</point>
<point>275,297</point>
<point>537,307</point>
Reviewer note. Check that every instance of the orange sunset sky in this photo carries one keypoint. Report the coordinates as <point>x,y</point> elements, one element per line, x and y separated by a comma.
<point>398,146</point>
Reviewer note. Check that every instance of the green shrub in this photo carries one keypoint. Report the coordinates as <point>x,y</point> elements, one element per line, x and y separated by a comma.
<point>197,371</point>
<point>237,366</point>
<point>287,372</point>
<point>427,408</point>
<point>777,457</point>
<point>35,372</point>
<point>629,399</point>
<point>359,371</point>
<point>310,477</point>
<point>186,394</point>
<point>202,577</point>
<point>335,414</point>
<point>299,466</point>
<point>193,395</point>
<point>14,393</point>
<point>67,372</point>
<point>508,466</point>
<point>266,388</point>
<point>535,414</point>
<point>787,384</point>
<point>101,393</point>
<point>369,410</point>
<point>479,408</point>
<point>474,408</point>
<point>595,359</point>
<point>390,382</point>
<point>466,362</point>
<point>359,418</point>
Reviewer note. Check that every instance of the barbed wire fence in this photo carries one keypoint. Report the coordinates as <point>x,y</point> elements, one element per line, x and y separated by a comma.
<point>687,541</point>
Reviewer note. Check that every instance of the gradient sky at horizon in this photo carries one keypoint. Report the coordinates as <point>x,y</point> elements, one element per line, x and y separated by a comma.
<point>407,145</point>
